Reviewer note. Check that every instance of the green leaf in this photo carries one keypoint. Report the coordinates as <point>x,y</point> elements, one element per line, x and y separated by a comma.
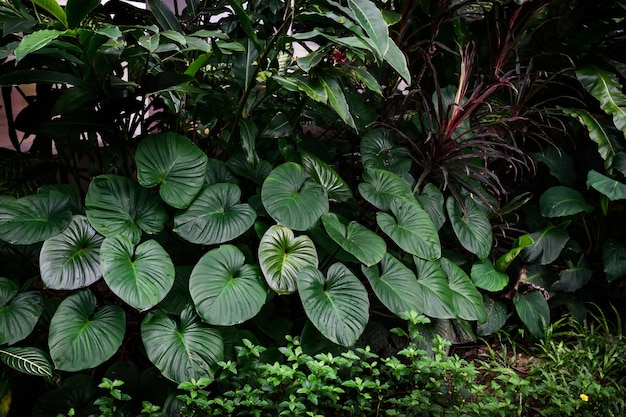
<point>292,199</point>
<point>365,245</point>
<point>471,226</point>
<point>395,57</point>
<point>117,205</point>
<point>367,79</point>
<point>336,304</point>
<point>52,7</point>
<point>34,218</point>
<point>613,260</point>
<point>77,10</point>
<point>435,295</point>
<point>217,171</point>
<point>380,188</point>
<point>141,276</point>
<point>81,338</point>
<point>18,312</point>
<point>606,88</point>
<point>395,285</point>
<point>35,41</point>
<point>485,276</point>
<point>42,77</point>
<point>183,350</point>
<point>611,188</point>
<point>431,198</point>
<point>164,16</point>
<point>548,243</point>
<point>178,298</point>
<point>467,302</point>
<point>74,98</point>
<point>282,256</point>
<point>560,164</point>
<point>562,201</point>
<point>163,81</point>
<point>224,289</point>
<point>215,216</point>
<point>411,229</point>
<point>503,262</point>
<point>256,173</point>
<point>496,317</point>
<point>27,360</point>
<point>337,100</point>
<point>379,151</point>
<point>173,162</point>
<point>369,17</point>
<point>327,177</point>
<point>71,260</point>
<point>245,63</point>
<point>310,60</point>
<point>572,279</point>
<point>248,132</point>
<point>533,310</point>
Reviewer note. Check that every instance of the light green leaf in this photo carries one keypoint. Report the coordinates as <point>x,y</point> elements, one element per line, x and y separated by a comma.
<point>19,312</point>
<point>35,41</point>
<point>611,188</point>
<point>614,260</point>
<point>605,87</point>
<point>365,245</point>
<point>380,188</point>
<point>503,262</point>
<point>562,201</point>
<point>435,295</point>
<point>533,310</point>
<point>466,300</point>
<point>367,79</point>
<point>485,276</point>
<point>27,360</point>
<point>471,226</point>
<point>327,177</point>
<point>310,60</point>
<point>53,7</point>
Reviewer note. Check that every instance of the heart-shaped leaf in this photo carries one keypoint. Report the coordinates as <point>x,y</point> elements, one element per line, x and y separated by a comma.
<point>217,171</point>
<point>34,218</point>
<point>336,304</point>
<point>327,177</point>
<point>395,285</point>
<point>611,188</point>
<point>572,279</point>
<point>533,310</point>
<point>71,260</point>
<point>173,162</point>
<point>183,350</point>
<point>562,201</point>
<point>224,289</point>
<point>496,317</point>
<point>27,360</point>
<point>471,226</point>
<point>215,216</point>
<point>18,312</point>
<point>141,276</point>
<point>485,276</point>
<point>433,202</point>
<point>81,338</point>
<point>435,296</point>
<point>282,256</point>
<point>117,205</point>
<point>411,229</point>
<point>365,245</point>
<point>292,199</point>
<point>466,300</point>
<point>614,260</point>
<point>548,244</point>
<point>178,298</point>
<point>379,151</point>
<point>382,187</point>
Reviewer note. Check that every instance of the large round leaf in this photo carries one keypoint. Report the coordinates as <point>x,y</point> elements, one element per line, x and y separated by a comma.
<point>71,260</point>
<point>18,312</point>
<point>337,304</point>
<point>117,205</point>
<point>181,350</point>
<point>327,177</point>
<point>215,216</point>
<point>224,289</point>
<point>434,294</point>
<point>562,201</point>
<point>292,199</point>
<point>174,162</point>
<point>34,218</point>
<point>471,226</point>
<point>411,229</point>
<point>466,300</point>
<point>395,285</point>
<point>365,245</point>
<point>378,150</point>
<point>485,276</point>
<point>382,187</point>
<point>141,276</point>
<point>81,338</point>
<point>282,256</point>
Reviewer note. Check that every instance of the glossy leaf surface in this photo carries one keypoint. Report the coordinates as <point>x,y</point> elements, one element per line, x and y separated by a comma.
<point>19,312</point>
<point>357,240</point>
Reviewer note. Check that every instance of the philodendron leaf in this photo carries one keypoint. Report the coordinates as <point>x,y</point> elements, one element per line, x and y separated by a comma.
<point>471,226</point>
<point>27,360</point>
<point>34,218</point>
<point>327,177</point>
<point>614,260</point>
<point>466,300</point>
<point>611,188</point>
<point>215,216</point>
<point>560,164</point>
<point>379,151</point>
<point>71,260</point>
<point>182,350</point>
<point>503,262</point>
<point>496,317</point>
<point>380,188</point>
<point>141,276</point>
<point>225,290</point>
<point>411,229</point>
<point>548,244</point>
<point>605,87</point>
<point>19,312</point>
<point>117,205</point>
<point>336,304</point>
<point>562,201</point>
<point>395,285</point>
<point>292,199</point>
<point>485,276</point>
<point>572,279</point>
<point>173,162</point>
<point>357,240</point>
<point>282,256</point>
<point>81,337</point>
<point>533,310</point>
<point>432,200</point>
<point>435,295</point>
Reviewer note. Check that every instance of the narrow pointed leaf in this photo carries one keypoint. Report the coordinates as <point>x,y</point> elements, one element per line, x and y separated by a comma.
<point>53,7</point>
<point>327,177</point>
<point>606,88</point>
<point>562,201</point>
<point>397,60</point>
<point>614,260</point>
<point>380,188</point>
<point>369,17</point>
<point>336,304</point>
<point>503,262</point>
<point>164,16</point>
<point>435,296</point>
<point>471,226</point>
<point>485,276</point>
<point>611,188</point>
<point>466,300</point>
<point>533,310</point>
<point>77,10</point>
<point>71,260</point>
<point>81,337</point>
<point>27,360</point>
<point>141,276</point>
<point>357,240</point>
<point>337,100</point>
<point>548,244</point>
<point>18,312</point>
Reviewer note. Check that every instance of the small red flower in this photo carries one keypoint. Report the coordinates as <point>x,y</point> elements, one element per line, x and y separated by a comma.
<point>338,57</point>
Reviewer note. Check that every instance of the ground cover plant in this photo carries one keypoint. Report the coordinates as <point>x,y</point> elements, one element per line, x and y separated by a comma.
<point>194,183</point>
